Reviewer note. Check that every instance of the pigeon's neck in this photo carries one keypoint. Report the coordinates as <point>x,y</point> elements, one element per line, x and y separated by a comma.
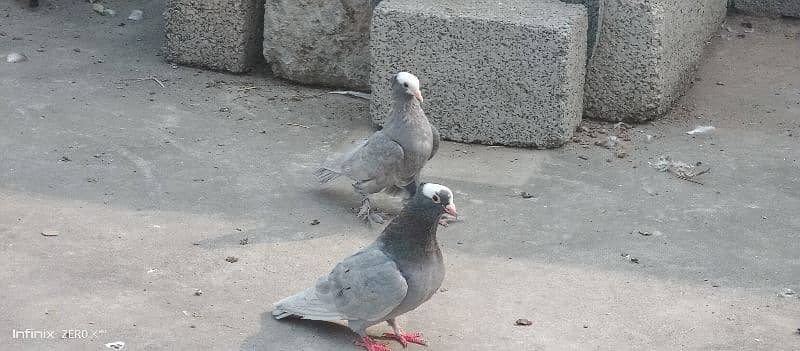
<point>406,109</point>
<point>411,234</point>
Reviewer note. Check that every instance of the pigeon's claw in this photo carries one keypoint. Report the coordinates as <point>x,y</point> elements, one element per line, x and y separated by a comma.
<point>366,214</point>
<point>404,339</point>
<point>447,219</point>
<point>370,345</point>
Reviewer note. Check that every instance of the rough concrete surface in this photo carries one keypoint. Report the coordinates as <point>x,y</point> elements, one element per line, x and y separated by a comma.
<point>148,185</point>
<point>319,42</point>
<point>774,8</point>
<point>646,54</point>
<point>509,73</point>
<point>217,34</point>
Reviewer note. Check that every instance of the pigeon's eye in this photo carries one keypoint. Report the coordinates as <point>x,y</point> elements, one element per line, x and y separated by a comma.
<point>405,85</point>
<point>435,198</point>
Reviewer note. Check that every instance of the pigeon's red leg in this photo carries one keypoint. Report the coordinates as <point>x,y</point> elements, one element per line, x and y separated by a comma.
<point>446,220</point>
<point>403,338</point>
<point>370,345</point>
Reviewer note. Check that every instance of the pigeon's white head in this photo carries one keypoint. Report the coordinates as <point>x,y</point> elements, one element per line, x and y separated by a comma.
<point>441,195</point>
<point>409,83</point>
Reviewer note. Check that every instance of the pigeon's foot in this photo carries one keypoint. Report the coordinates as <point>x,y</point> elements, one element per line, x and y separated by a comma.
<point>370,345</point>
<point>366,214</point>
<point>404,339</point>
<point>447,219</point>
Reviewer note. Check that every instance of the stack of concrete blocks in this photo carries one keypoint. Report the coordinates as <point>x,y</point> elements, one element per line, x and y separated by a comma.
<point>217,34</point>
<point>508,73</point>
<point>319,42</point>
<point>771,8</point>
<point>647,52</point>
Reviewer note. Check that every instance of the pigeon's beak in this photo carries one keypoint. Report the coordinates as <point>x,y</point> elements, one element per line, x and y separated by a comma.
<point>451,210</point>
<point>418,95</point>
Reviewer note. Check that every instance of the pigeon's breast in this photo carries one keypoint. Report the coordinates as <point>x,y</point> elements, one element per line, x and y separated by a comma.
<point>423,279</point>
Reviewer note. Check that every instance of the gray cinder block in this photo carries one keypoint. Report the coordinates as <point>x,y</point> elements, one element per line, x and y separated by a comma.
<point>508,73</point>
<point>771,8</point>
<point>319,41</point>
<point>646,54</point>
<point>217,34</point>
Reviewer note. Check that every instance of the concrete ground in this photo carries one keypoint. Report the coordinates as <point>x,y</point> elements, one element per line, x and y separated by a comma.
<point>151,188</point>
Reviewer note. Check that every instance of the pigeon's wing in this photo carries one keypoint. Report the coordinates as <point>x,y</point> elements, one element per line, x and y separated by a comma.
<point>376,160</point>
<point>366,286</point>
<point>436,139</point>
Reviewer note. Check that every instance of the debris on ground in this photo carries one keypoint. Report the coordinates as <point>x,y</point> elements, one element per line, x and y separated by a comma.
<point>116,345</point>
<point>609,142</point>
<point>110,12</point>
<point>702,130</point>
<point>644,233</point>
<point>152,270</point>
<point>356,94</point>
<point>136,15</point>
<point>92,179</point>
<point>314,222</point>
<point>99,8</point>
<point>50,233</point>
<point>526,195</point>
<point>629,258</point>
<point>523,322</point>
<point>224,109</point>
<point>786,292</point>
<point>198,292</point>
<point>16,57</point>
<point>680,169</point>
<point>232,259</point>
<point>298,125</point>
<point>244,241</point>
<point>65,159</point>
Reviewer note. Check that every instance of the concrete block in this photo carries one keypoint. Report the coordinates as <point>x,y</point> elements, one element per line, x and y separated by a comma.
<point>771,8</point>
<point>509,73</point>
<point>646,54</point>
<point>217,34</point>
<point>319,42</point>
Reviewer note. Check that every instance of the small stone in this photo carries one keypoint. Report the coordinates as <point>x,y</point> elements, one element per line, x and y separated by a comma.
<point>585,326</point>
<point>232,259</point>
<point>192,326</point>
<point>198,292</point>
<point>109,12</point>
<point>99,8</point>
<point>314,222</point>
<point>76,50</point>
<point>583,157</point>
<point>16,57</point>
<point>50,233</point>
<point>65,159</point>
<point>244,241</point>
<point>224,109</point>
<point>136,15</point>
<point>523,322</point>
<point>526,195</point>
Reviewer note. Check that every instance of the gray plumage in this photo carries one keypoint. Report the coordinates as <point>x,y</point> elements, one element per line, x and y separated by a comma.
<point>398,272</point>
<point>391,159</point>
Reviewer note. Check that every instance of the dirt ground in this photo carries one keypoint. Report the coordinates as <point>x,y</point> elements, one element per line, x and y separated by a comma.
<point>150,189</point>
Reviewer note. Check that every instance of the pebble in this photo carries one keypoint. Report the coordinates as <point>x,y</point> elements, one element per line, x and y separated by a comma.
<point>16,57</point>
<point>50,233</point>
<point>523,322</point>
<point>136,15</point>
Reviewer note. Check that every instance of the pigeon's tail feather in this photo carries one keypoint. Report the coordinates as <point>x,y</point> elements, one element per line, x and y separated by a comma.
<point>325,175</point>
<point>305,305</point>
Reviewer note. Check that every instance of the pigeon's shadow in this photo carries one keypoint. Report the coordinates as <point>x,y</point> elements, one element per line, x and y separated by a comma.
<point>291,334</point>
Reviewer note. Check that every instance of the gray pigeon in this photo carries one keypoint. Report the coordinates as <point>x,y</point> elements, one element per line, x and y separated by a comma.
<point>395,274</point>
<point>392,158</point>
